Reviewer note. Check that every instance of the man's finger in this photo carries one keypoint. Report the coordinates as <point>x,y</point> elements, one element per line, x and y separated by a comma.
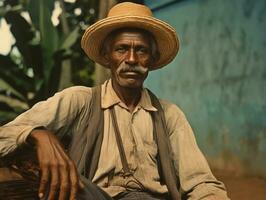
<point>44,181</point>
<point>64,182</point>
<point>74,181</point>
<point>54,184</point>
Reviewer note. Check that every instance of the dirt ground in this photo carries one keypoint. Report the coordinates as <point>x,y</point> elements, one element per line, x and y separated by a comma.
<point>243,187</point>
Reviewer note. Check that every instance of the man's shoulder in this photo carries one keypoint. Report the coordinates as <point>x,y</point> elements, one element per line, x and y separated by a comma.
<point>167,105</point>
<point>174,116</point>
<point>172,111</point>
<point>75,91</point>
<point>74,95</point>
<point>78,89</point>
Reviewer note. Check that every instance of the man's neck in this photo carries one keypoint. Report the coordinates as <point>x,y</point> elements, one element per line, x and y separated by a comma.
<point>130,96</point>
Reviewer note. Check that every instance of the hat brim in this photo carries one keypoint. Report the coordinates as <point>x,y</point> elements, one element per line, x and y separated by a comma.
<point>165,35</point>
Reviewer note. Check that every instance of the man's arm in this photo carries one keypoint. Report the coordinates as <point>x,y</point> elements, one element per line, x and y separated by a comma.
<point>39,126</point>
<point>196,178</point>
<point>56,114</point>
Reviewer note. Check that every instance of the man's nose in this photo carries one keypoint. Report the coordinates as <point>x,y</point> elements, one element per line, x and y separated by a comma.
<point>131,57</point>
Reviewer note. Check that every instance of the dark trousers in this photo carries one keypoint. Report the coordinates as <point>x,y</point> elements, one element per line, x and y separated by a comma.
<point>93,192</point>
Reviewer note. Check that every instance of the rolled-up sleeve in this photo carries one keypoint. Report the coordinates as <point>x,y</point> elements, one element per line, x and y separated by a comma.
<point>196,179</point>
<point>56,114</point>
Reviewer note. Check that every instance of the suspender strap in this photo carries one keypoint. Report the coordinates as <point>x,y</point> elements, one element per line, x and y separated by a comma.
<point>86,145</point>
<point>120,144</point>
<point>121,150</point>
<point>165,156</point>
<point>95,138</point>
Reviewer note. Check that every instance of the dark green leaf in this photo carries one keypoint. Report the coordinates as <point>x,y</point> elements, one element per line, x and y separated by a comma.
<point>70,39</point>
<point>5,107</point>
<point>14,76</point>
<point>24,34</point>
<point>41,12</point>
<point>11,94</point>
<point>37,8</point>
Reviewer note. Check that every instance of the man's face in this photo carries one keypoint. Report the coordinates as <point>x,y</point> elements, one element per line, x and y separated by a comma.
<point>129,58</point>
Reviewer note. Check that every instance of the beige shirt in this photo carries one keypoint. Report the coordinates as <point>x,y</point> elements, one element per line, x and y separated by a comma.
<point>136,130</point>
<point>62,112</point>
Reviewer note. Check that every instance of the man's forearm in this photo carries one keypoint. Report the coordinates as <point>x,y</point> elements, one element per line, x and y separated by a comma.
<point>12,136</point>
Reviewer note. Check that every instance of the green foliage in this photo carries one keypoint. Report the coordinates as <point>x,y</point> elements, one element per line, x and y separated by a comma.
<point>31,71</point>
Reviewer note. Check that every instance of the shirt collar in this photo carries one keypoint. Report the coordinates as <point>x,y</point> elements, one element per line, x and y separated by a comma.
<point>110,98</point>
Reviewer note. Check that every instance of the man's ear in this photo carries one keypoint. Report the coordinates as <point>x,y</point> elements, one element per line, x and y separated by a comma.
<point>152,62</point>
<point>106,59</point>
<point>154,59</point>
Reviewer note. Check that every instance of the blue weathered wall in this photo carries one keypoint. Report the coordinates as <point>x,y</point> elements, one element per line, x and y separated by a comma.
<point>219,77</point>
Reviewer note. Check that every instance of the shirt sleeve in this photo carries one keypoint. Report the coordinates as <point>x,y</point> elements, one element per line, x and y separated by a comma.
<point>56,114</point>
<point>196,179</point>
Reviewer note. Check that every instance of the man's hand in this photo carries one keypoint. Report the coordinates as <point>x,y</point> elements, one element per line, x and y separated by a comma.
<point>58,173</point>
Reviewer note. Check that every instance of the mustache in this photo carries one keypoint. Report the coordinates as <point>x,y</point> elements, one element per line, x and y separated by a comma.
<point>129,68</point>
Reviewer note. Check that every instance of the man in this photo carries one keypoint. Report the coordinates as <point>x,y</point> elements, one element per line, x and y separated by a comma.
<point>133,146</point>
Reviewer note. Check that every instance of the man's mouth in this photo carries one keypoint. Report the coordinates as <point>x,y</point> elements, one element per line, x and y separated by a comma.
<point>130,74</point>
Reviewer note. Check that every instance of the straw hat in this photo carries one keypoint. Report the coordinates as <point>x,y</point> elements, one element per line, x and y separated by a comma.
<point>136,16</point>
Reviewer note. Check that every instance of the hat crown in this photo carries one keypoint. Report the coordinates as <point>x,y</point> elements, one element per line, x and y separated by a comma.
<point>132,9</point>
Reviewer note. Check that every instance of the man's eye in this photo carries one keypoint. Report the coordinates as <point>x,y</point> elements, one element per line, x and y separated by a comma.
<point>143,50</point>
<point>120,49</point>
